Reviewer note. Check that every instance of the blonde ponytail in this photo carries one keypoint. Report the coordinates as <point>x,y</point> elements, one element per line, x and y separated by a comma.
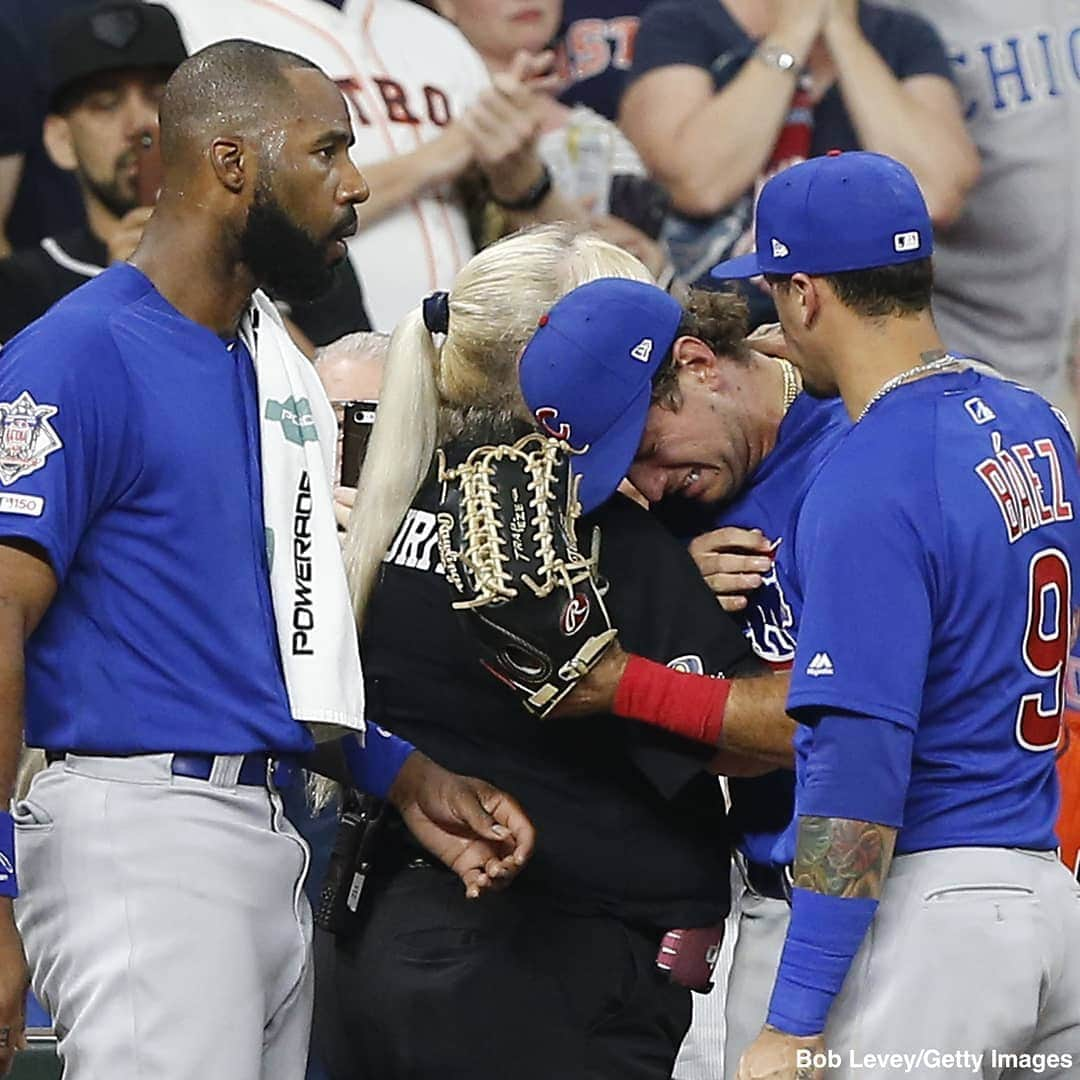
<point>398,455</point>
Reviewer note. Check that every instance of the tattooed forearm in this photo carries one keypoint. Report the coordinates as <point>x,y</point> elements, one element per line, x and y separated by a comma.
<point>839,857</point>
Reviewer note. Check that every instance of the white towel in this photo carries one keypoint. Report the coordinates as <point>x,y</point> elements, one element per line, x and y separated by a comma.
<point>315,627</point>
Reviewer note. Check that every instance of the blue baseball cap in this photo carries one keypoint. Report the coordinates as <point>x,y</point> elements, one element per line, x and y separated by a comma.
<point>587,372</point>
<point>839,212</point>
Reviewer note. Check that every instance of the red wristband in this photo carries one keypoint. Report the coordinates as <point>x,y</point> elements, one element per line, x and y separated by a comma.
<point>688,705</point>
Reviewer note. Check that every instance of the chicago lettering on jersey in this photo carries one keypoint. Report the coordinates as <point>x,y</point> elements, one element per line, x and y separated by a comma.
<point>1029,68</point>
<point>303,614</point>
<point>1012,476</point>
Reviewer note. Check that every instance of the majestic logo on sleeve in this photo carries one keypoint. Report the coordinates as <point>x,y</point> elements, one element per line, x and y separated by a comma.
<point>297,423</point>
<point>26,437</point>
<point>820,664</point>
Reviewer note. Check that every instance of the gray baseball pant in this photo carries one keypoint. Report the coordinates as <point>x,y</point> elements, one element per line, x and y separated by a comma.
<point>164,921</point>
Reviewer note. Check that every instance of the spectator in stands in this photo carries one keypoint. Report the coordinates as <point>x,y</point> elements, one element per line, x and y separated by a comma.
<point>351,368</point>
<point>595,51</point>
<point>410,79</point>
<point>1007,274</point>
<point>36,198</point>
<point>109,65</point>
<point>596,174</point>
<point>722,95</point>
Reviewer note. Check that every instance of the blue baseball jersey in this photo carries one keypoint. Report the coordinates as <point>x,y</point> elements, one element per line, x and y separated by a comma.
<point>762,807</point>
<point>129,451</point>
<point>933,586</point>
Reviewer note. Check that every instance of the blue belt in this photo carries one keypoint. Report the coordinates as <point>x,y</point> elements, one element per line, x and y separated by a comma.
<point>256,770</point>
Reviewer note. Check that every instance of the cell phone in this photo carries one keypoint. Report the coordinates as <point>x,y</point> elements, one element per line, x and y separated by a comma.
<point>148,168</point>
<point>357,423</point>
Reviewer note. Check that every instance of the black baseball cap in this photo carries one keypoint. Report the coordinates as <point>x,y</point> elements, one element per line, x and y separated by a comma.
<point>110,36</point>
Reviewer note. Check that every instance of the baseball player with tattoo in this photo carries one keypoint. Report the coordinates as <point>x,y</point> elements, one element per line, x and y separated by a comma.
<point>174,619</point>
<point>934,558</point>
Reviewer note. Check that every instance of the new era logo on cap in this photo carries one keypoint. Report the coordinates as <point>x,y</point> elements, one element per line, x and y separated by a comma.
<point>642,350</point>
<point>780,250</point>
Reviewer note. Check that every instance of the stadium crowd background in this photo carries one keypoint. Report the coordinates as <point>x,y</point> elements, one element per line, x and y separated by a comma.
<point>654,123</point>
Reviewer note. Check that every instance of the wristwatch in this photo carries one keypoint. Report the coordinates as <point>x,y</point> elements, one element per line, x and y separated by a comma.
<point>776,56</point>
<point>530,199</point>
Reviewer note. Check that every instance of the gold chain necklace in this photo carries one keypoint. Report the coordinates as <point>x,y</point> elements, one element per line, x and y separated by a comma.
<point>792,382</point>
<point>927,367</point>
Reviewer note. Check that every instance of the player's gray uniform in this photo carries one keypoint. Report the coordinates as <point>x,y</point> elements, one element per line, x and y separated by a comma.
<point>1008,272</point>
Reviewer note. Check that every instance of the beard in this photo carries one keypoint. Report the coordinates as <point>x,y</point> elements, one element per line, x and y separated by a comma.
<point>284,257</point>
<point>117,193</point>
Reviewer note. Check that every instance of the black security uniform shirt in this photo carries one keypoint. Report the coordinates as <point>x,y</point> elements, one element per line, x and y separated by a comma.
<point>628,822</point>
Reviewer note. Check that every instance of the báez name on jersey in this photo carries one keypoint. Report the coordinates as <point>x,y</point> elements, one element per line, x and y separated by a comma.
<point>303,612</point>
<point>1012,474</point>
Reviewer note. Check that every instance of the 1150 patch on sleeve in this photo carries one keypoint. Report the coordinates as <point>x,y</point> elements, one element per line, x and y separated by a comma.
<point>27,505</point>
<point>26,437</point>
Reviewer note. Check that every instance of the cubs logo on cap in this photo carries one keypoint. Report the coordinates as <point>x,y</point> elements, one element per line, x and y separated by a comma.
<point>851,211</point>
<point>587,373</point>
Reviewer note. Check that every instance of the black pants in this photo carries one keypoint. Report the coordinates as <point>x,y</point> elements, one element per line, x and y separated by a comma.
<point>435,987</point>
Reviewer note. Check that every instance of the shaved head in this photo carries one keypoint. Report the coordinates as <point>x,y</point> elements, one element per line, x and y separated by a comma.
<point>255,145</point>
<point>235,87</point>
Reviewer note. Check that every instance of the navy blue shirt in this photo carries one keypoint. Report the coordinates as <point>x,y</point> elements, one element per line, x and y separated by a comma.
<point>935,555</point>
<point>129,451</point>
<point>705,35</point>
<point>595,51</point>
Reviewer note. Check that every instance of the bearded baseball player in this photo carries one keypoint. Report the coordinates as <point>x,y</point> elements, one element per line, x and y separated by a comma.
<point>934,558</point>
<point>174,615</point>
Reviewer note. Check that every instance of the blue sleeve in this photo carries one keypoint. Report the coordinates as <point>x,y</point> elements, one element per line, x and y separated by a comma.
<point>864,569</point>
<point>374,766</point>
<point>676,32</point>
<point>858,768</point>
<point>65,444</point>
